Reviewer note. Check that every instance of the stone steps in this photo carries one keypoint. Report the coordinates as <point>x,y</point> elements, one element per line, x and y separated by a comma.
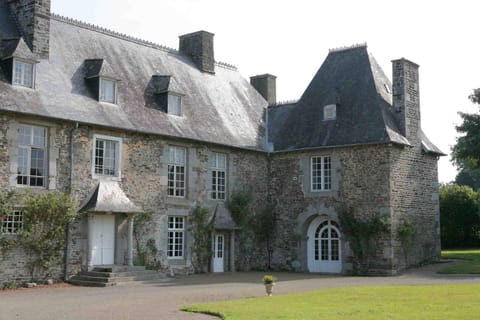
<point>117,275</point>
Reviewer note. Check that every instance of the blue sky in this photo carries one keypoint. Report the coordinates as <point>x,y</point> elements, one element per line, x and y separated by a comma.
<point>290,39</point>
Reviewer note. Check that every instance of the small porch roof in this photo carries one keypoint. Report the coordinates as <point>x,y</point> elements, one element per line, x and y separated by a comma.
<point>222,218</point>
<point>107,196</point>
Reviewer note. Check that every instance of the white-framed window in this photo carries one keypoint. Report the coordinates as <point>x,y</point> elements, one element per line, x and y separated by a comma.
<point>107,90</point>
<point>218,176</point>
<point>176,171</point>
<point>32,156</point>
<point>321,173</point>
<point>12,223</point>
<point>174,104</point>
<point>176,233</point>
<point>107,157</point>
<point>330,112</point>
<point>23,73</point>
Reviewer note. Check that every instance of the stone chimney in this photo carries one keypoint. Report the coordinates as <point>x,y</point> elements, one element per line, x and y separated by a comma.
<point>33,20</point>
<point>266,85</point>
<point>406,98</point>
<point>199,46</point>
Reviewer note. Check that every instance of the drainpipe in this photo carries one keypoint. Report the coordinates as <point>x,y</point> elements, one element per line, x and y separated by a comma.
<point>67,229</point>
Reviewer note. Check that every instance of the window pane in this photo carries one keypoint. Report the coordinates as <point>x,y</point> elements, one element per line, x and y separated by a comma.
<point>105,157</point>
<point>32,156</point>
<point>12,223</point>
<point>175,237</point>
<point>23,73</point>
<point>107,90</point>
<point>174,104</point>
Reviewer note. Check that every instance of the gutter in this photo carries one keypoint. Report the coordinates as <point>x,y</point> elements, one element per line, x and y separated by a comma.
<point>67,229</point>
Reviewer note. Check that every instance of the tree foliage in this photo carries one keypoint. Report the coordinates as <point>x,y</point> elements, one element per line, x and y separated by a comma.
<point>459,216</point>
<point>467,147</point>
<point>468,176</point>
<point>45,219</point>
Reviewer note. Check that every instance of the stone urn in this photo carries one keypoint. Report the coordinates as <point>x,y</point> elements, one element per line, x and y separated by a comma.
<point>269,282</point>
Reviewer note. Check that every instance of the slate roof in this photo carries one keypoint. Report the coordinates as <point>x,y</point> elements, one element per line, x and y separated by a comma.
<point>353,80</point>
<point>222,218</point>
<point>222,108</point>
<point>107,196</point>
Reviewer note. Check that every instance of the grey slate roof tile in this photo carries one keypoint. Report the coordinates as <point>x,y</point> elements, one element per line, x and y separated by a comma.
<point>222,108</point>
<point>352,79</point>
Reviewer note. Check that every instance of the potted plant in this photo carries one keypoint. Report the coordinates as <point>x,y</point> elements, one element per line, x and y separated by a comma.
<point>269,282</point>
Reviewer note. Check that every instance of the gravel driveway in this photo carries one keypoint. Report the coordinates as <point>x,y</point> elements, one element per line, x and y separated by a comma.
<point>163,300</point>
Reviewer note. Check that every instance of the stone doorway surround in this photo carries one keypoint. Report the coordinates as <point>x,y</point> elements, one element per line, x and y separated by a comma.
<point>107,198</point>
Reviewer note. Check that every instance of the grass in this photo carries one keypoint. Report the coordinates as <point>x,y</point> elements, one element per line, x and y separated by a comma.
<point>470,266</point>
<point>370,303</point>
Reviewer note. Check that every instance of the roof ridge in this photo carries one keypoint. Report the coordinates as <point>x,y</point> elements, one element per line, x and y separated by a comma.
<point>122,36</point>
<point>109,32</point>
<point>283,102</point>
<point>346,48</point>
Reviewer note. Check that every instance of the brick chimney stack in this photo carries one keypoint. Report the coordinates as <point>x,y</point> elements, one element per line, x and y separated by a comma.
<point>266,85</point>
<point>406,98</point>
<point>33,20</point>
<point>199,46</point>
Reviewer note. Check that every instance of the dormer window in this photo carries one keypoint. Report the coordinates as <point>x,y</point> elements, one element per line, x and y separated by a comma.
<point>169,94</point>
<point>330,112</point>
<point>101,79</point>
<point>174,104</point>
<point>18,62</point>
<point>107,90</point>
<point>23,73</point>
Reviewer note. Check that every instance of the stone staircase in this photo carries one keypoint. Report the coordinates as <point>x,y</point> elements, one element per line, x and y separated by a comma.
<point>106,276</point>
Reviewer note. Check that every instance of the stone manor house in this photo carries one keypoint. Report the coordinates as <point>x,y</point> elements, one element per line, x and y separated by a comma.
<point>128,126</point>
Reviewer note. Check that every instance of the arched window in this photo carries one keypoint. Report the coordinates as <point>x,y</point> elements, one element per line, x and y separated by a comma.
<point>327,242</point>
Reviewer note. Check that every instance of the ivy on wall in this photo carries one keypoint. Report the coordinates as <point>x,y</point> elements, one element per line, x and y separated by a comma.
<point>202,242</point>
<point>147,253</point>
<point>363,233</point>
<point>257,226</point>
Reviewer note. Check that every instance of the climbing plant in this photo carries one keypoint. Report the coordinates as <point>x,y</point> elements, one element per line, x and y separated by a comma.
<point>257,227</point>
<point>201,232</point>
<point>406,232</point>
<point>45,219</point>
<point>239,206</point>
<point>146,252</point>
<point>363,233</point>
<point>6,207</point>
<point>264,226</point>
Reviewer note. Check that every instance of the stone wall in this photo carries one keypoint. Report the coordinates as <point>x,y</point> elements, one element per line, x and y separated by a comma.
<point>143,179</point>
<point>360,180</point>
<point>414,199</point>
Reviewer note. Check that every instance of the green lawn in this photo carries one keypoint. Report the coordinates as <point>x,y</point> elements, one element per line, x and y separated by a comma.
<point>370,303</point>
<point>470,266</point>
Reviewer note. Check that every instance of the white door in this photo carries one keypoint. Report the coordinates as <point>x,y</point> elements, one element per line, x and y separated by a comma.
<point>324,246</point>
<point>103,239</point>
<point>218,252</point>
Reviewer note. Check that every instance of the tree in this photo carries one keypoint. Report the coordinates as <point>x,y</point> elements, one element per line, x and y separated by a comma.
<point>459,216</point>
<point>468,177</point>
<point>467,148</point>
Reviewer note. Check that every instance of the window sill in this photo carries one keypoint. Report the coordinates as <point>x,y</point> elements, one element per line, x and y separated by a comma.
<point>106,178</point>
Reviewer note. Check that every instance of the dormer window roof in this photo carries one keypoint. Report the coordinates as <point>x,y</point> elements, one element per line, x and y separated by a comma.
<point>169,93</point>
<point>102,79</point>
<point>19,62</point>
